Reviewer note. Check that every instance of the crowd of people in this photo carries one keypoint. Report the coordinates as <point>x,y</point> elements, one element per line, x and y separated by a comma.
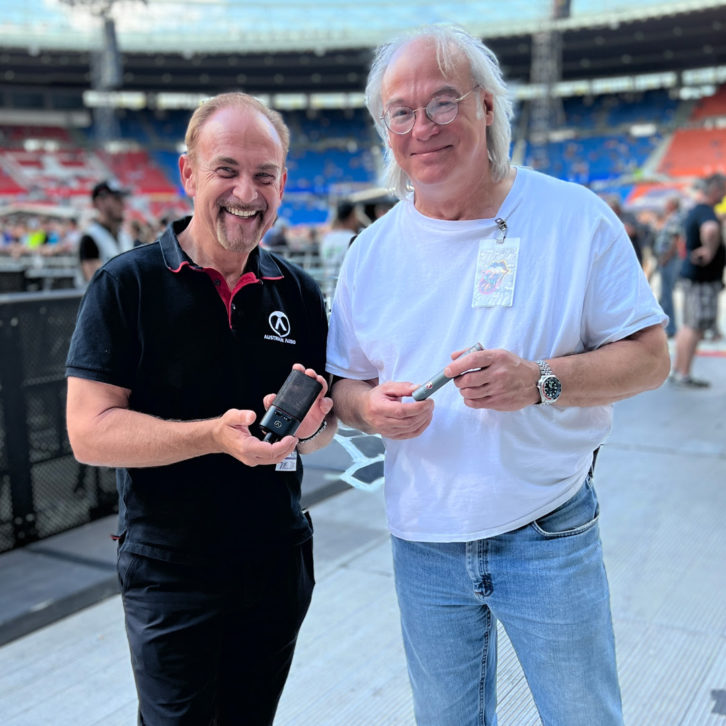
<point>23,234</point>
<point>681,250</point>
<point>27,233</point>
<point>657,235</point>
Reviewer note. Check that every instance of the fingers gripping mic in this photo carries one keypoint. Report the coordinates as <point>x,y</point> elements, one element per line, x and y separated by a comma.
<point>434,383</point>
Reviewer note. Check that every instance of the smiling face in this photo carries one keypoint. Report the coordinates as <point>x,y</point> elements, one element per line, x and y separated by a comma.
<point>236,176</point>
<point>441,161</point>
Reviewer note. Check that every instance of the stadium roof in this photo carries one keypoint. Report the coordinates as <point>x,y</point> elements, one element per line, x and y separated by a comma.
<point>284,25</point>
<point>306,48</point>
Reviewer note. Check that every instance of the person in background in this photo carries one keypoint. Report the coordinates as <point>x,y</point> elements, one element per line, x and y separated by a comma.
<point>105,237</point>
<point>336,241</point>
<point>701,277</point>
<point>179,347</point>
<point>275,239</point>
<point>36,236</point>
<point>631,224</point>
<point>140,232</point>
<point>71,236</point>
<point>667,246</point>
<point>489,483</point>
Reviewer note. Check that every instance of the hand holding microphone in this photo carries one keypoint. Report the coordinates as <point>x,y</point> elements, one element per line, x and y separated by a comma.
<point>440,379</point>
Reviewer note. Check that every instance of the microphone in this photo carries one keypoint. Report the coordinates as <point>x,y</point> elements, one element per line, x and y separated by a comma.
<point>433,385</point>
<point>291,404</point>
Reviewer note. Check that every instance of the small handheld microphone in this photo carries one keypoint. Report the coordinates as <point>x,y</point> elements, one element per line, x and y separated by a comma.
<point>433,385</point>
<point>291,404</point>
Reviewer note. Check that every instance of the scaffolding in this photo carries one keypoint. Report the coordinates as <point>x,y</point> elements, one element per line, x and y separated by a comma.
<point>546,111</point>
<point>106,67</point>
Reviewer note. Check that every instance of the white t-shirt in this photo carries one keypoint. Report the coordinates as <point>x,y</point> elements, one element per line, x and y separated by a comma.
<point>404,303</point>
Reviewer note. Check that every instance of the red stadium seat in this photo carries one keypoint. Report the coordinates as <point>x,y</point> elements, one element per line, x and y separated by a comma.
<point>695,152</point>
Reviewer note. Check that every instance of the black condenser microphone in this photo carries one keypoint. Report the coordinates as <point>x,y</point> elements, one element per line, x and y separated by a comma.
<point>293,401</point>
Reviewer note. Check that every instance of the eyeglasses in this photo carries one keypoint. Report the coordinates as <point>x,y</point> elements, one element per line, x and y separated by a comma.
<point>442,110</point>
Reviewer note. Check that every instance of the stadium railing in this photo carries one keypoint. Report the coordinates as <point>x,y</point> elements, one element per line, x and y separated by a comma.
<point>43,489</point>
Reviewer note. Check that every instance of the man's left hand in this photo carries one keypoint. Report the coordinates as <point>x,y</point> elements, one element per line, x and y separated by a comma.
<point>501,381</point>
<point>701,256</point>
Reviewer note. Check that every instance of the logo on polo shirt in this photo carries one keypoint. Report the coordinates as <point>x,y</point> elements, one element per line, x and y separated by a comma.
<point>280,326</point>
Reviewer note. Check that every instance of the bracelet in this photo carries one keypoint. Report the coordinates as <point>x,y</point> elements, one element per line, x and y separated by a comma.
<point>322,428</point>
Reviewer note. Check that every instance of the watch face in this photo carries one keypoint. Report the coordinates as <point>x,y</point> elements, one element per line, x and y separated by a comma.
<point>551,388</point>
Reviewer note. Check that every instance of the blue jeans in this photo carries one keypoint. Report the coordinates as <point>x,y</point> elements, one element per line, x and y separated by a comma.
<point>546,583</point>
<point>668,277</point>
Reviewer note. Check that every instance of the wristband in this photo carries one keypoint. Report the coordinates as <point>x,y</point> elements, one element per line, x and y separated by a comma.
<point>322,428</point>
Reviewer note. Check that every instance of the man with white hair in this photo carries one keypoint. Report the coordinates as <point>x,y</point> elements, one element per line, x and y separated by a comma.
<point>489,482</point>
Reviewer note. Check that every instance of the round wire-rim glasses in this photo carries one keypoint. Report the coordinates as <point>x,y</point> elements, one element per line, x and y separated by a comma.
<point>441,110</point>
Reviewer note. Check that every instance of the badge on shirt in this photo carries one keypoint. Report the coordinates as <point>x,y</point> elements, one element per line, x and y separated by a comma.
<point>496,273</point>
<point>289,463</point>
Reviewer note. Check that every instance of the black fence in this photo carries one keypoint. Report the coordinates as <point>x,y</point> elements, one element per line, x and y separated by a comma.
<point>43,489</point>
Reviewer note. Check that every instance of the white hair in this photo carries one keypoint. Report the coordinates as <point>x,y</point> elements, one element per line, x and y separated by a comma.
<point>451,42</point>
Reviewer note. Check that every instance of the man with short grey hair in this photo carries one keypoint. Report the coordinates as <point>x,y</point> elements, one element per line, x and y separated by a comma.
<point>178,349</point>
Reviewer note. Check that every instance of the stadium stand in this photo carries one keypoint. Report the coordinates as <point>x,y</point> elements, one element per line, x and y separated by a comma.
<point>711,106</point>
<point>592,159</point>
<point>615,141</point>
<point>695,152</point>
<point>136,170</point>
<point>335,154</point>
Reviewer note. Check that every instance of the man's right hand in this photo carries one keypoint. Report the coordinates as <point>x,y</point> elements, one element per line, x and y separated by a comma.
<point>233,437</point>
<point>384,412</point>
<point>103,431</point>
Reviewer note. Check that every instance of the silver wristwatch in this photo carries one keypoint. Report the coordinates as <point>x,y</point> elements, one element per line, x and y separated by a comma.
<point>548,385</point>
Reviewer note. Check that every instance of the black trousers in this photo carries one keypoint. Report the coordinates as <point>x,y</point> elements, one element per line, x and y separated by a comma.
<point>212,645</point>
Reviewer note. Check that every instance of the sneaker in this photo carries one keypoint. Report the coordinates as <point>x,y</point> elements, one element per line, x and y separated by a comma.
<point>678,379</point>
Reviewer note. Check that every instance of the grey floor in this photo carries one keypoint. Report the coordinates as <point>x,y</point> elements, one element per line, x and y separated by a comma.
<point>661,480</point>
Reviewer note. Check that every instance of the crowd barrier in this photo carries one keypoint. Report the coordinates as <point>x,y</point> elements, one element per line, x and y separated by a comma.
<point>43,489</point>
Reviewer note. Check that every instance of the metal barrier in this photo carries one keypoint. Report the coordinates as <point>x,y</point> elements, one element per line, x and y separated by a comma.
<point>43,490</point>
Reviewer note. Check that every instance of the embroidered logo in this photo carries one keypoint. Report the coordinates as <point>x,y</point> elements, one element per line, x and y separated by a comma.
<point>280,326</point>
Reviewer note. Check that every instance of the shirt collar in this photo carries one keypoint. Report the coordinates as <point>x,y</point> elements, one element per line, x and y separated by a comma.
<point>261,263</point>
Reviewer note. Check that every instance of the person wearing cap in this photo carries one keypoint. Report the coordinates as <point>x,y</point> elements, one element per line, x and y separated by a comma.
<point>105,237</point>
<point>179,347</point>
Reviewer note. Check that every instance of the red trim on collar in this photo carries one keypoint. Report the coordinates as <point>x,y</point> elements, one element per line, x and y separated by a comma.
<point>227,295</point>
<point>184,263</point>
<point>249,278</point>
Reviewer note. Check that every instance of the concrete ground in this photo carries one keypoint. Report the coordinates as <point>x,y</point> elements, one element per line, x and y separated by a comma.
<point>661,480</point>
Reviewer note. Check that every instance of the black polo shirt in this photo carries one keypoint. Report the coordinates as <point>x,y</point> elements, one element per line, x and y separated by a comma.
<point>154,322</point>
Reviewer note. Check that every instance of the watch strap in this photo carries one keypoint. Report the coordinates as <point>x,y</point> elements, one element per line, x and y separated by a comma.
<point>544,368</point>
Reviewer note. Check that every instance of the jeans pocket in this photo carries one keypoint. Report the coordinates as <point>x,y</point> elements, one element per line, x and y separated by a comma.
<point>576,515</point>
